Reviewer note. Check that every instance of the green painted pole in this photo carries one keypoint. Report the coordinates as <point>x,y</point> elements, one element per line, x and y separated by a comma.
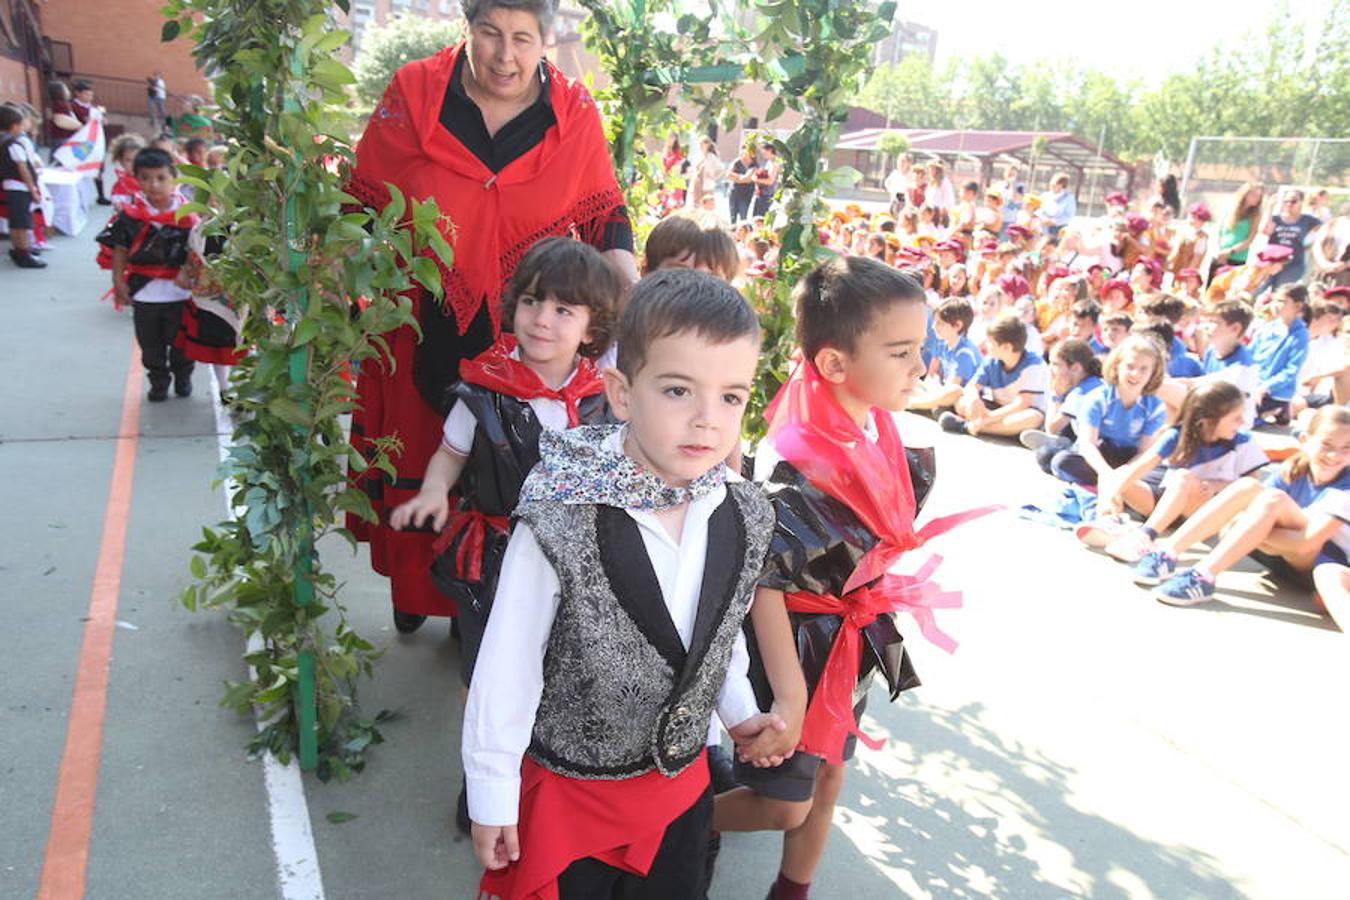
<point>306,711</point>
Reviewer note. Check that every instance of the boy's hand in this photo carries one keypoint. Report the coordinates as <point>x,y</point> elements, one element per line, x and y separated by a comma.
<point>763,740</point>
<point>121,295</point>
<point>419,511</point>
<point>496,846</point>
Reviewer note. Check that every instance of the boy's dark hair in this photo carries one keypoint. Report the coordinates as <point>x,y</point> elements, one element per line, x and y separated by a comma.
<point>577,275</point>
<point>1086,309</point>
<point>674,301</point>
<point>1160,331</point>
<point>956,311</point>
<point>1071,351</point>
<point>971,186</point>
<point>697,234</point>
<point>1119,318</point>
<point>10,116</point>
<point>193,144</point>
<point>1009,329</point>
<point>80,84</point>
<point>839,299</point>
<point>1296,292</point>
<point>1233,312</point>
<point>1173,309</point>
<point>152,158</point>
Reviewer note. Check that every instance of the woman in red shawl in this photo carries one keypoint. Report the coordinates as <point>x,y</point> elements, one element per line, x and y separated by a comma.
<point>513,152</point>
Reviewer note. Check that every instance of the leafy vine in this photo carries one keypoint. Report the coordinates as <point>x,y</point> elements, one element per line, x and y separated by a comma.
<point>317,281</point>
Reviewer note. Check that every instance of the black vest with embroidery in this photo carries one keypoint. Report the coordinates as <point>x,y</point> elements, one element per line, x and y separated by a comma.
<point>622,695</point>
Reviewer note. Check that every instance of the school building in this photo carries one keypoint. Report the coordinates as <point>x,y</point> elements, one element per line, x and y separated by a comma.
<point>114,45</point>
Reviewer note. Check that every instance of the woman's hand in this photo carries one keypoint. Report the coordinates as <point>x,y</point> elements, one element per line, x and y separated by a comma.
<point>496,846</point>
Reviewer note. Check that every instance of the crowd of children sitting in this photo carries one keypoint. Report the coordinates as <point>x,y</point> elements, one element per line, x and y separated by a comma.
<point>1134,359</point>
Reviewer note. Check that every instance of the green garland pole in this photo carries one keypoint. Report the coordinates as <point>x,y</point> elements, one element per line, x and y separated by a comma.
<point>318,281</point>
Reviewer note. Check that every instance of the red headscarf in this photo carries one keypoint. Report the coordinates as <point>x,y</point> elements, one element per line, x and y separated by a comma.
<point>564,184</point>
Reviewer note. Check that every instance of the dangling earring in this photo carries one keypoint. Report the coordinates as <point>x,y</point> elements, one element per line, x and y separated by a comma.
<point>543,75</point>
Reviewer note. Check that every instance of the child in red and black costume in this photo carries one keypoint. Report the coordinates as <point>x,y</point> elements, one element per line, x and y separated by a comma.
<point>846,492</point>
<point>146,246</point>
<point>210,332</point>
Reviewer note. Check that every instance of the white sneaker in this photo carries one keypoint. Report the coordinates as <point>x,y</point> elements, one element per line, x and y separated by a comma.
<point>1130,547</point>
<point>1035,438</point>
<point>1102,530</point>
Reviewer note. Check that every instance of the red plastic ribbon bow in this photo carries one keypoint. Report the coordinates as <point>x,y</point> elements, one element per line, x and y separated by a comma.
<point>474,526</point>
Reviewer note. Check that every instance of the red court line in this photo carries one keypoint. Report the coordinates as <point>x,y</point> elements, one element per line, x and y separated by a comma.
<point>67,854</point>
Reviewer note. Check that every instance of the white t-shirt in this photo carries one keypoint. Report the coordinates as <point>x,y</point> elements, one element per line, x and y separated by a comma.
<point>1324,354</point>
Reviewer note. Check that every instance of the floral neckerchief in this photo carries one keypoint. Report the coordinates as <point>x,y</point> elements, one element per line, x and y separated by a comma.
<point>586,465</point>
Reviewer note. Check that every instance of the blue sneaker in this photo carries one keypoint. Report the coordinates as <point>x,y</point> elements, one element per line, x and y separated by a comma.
<point>1186,588</point>
<point>1153,568</point>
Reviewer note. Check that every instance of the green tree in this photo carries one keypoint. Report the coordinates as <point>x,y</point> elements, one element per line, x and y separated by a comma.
<point>400,40</point>
<point>893,144</point>
<point>909,93</point>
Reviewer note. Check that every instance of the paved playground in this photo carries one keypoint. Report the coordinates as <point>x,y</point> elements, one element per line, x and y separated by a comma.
<point>1083,741</point>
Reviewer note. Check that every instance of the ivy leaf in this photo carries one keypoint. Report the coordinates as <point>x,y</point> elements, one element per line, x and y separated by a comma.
<point>170,31</point>
<point>337,818</point>
<point>775,109</point>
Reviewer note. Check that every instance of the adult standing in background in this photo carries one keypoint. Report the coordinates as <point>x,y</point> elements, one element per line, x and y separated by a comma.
<point>1289,226</point>
<point>512,151</point>
<point>897,183</point>
<point>82,104</point>
<point>1060,205</point>
<point>707,173</point>
<point>1239,230</point>
<point>156,94</point>
<point>61,119</point>
<point>742,178</point>
<point>766,178</point>
<point>940,192</point>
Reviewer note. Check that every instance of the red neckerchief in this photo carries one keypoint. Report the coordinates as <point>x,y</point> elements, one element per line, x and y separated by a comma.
<point>565,185</point>
<point>809,429</point>
<point>497,370</point>
<point>140,209</point>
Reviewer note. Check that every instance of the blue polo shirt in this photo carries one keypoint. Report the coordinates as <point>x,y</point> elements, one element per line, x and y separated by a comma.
<point>1220,460</point>
<point>1180,362</point>
<point>1121,425</point>
<point>1279,352</point>
<point>1332,498</point>
<point>1074,401</point>
<point>960,363</point>
<point>999,386</point>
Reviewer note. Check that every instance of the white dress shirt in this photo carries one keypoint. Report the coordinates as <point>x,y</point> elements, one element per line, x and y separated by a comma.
<point>508,680</point>
<point>460,426</point>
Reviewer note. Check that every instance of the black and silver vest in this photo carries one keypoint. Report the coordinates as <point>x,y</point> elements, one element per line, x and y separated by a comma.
<point>622,695</point>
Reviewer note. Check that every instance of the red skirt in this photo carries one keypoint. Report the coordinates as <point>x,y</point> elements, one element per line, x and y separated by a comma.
<point>390,404</point>
<point>562,820</point>
<point>207,338</point>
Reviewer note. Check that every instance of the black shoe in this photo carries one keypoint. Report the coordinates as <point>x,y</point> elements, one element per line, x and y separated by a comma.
<point>158,394</point>
<point>26,260</point>
<point>721,770</point>
<point>407,623</point>
<point>182,386</point>
<point>952,423</point>
<point>104,201</point>
<point>462,810</point>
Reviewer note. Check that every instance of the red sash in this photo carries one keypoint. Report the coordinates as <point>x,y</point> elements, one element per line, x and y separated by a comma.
<point>621,823</point>
<point>811,431</point>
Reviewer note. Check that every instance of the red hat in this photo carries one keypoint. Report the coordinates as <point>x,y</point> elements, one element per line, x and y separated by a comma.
<point>1136,223</point>
<point>1097,267</point>
<point>1340,290</point>
<point>1200,211</point>
<point>1116,284</point>
<point>1189,273</point>
<point>989,246</point>
<point>953,246</point>
<point>1155,270</point>
<point>1014,285</point>
<point>910,256</point>
<point>1056,272</point>
<point>1019,231</point>
<point>1273,253</point>
<point>1116,198</point>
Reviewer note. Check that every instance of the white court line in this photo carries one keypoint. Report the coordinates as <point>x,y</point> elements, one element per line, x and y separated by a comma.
<point>298,875</point>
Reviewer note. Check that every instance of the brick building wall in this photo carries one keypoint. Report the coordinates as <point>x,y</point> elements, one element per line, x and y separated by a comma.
<point>119,39</point>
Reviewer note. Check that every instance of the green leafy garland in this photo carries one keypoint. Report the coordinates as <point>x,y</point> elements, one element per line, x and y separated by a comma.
<point>317,285</point>
<point>813,54</point>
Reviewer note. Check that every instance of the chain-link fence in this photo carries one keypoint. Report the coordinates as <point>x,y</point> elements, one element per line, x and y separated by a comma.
<point>1216,166</point>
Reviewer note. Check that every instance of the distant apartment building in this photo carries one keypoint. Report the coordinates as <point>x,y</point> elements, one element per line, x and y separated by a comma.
<point>367,13</point>
<point>907,39</point>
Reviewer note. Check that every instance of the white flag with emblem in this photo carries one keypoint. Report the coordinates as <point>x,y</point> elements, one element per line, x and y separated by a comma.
<point>83,151</point>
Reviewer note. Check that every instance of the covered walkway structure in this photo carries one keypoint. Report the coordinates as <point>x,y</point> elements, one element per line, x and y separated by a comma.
<point>979,155</point>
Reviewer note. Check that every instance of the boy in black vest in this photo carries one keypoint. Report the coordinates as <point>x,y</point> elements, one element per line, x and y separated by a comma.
<point>615,631</point>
